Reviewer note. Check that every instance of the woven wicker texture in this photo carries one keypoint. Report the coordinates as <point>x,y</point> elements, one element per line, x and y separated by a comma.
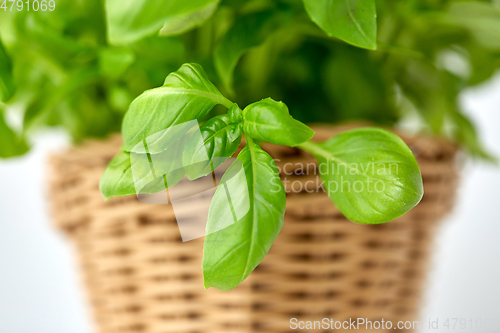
<point>141,277</point>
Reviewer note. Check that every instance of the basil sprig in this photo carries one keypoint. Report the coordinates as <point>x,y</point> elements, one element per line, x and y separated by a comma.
<point>370,173</point>
<point>233,252</point>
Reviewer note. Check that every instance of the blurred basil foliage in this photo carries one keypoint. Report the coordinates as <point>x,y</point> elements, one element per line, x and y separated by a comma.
<point>81,65</point>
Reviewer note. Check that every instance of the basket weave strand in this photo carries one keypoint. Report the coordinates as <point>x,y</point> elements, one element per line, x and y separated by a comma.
<point>141,277</point>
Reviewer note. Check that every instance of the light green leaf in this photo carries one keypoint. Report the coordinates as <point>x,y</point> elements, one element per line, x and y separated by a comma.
<point>271,121</point>
<point>179,24</point>
<point>464,132</point>
<point>117,179</point>
<point>186,95</point>
<point>247,32</point>
<point>46,100</point>
<point>370,174</point>
<point>131,20</point>
<point>349,74</point>
<point>119,98</point>
<point>232,252</point>
<point>7,87</point>
<point>221,139</point>
<point>114,61</point>
<point>481,19</point>
<point>131,173</point>
<point>353,21</point>
<point>10,143</point>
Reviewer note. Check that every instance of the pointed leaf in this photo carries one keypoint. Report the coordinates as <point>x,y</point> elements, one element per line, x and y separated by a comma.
<point>186,95</point>
<point>117,179</point>
<point>370,174</point>
<point>131,173</point>
<point>271,121</point>
<point>353,21</point>
<point>130,20</point>
<point>179,24</point>
<point>232,253</point>
<point>114,61</point>
<point>248,31</point>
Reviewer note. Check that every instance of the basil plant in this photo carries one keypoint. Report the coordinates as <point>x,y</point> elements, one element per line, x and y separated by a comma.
<point>79,66</point>
<point>160,118</point>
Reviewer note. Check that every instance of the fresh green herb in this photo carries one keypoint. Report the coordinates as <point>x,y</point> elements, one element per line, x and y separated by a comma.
<point>371,174</point>
<point>178,24</point>
<point>131,173</point>
<point>7,87</point>
<point>232,253</point>
<point>11,144</point>
<point>221,138</point>
<point>187,94</point>
<point>270,121</point>
<point>131,20</point>
<point>249,31</point>
<point>246,213</point>
<point>79,67</point>
<point>353,21</point>
<point>117,180</point>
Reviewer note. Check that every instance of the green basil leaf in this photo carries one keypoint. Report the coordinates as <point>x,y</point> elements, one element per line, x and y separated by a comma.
<point>247,32</point>
<point>131,173</point>
<point>370,174</point>
<point>179,24</point>
<point>481,19</point>
<point>353,21</point>
<point>7,87</point>
<point>465,133</point>
<point>232,252</point>
<point>114,61</point>
<point>117,179</point>
<point>350,73</point>
<point>221,139</point>
<point>235,114</point>
<point>269,120</point>
<point>186,95</point>
<point>131,20</point>
<point>10,144</point>
<point>47,98</point>
<point>165,167</point>
<point>119,98</point>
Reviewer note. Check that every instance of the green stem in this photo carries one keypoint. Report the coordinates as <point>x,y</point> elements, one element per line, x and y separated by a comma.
<point>249,140</point>
<point>314,149</point>
<point>226,102</point>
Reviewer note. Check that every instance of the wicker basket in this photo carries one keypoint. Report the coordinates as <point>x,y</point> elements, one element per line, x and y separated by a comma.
<point>141,277</point>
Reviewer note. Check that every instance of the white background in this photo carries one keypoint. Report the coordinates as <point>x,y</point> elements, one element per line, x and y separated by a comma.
<point>465,282</point>
<point>39,286</point>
